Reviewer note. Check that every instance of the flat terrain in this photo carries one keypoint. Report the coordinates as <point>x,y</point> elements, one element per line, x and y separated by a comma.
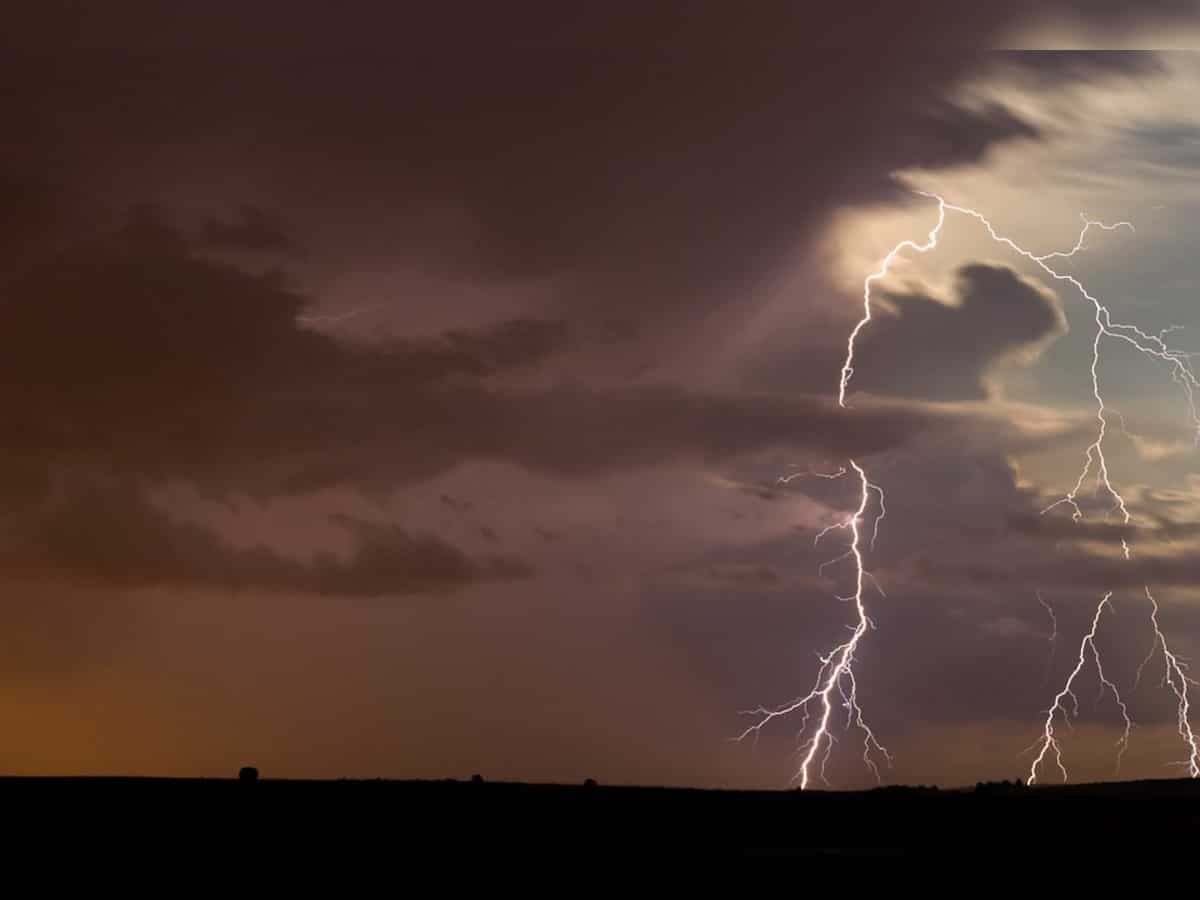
<point>420,822</point>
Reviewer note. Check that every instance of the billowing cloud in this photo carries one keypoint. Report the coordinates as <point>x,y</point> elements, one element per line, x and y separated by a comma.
<point>923,346</point>
<point>549,229</point>
<point>169,366</point>
<point>105,532</point>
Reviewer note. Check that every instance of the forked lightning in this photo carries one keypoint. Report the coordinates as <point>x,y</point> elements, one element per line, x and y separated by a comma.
<point>836,673</point>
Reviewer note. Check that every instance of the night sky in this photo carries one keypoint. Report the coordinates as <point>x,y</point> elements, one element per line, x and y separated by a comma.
<point>405,393</point>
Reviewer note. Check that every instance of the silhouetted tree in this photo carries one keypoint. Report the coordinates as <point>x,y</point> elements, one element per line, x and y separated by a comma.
<point>248,773</point>
<point>591,782</point>
<point>476,778</point>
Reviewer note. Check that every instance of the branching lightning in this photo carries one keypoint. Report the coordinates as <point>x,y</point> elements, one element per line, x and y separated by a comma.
<point>836,672</point>
<point>1179,365</point>
<point>836,669</point>
<point>1176,679</point>
<point>1048,742</point>
<point>881,273</point>
<point>792,476</point>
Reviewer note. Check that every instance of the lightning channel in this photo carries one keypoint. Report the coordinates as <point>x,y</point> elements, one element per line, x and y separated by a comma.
<point>1176,679</point>
<point>1179,365</point>
<point>878,275</point>
<point>836,667</point>
<point>1048,742</point>
<point>836,672</point>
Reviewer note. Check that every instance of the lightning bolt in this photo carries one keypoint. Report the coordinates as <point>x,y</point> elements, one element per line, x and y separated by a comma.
<point>1179,364</point>
<point>836,670</point>
<point>881,273</point>
<point>1153,345</point>
<point>792,476</point>
<point>1048,742</point>
<point>1175,678</point>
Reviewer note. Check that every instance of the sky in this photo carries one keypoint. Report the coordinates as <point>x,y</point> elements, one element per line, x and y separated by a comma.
<point>407,394</point>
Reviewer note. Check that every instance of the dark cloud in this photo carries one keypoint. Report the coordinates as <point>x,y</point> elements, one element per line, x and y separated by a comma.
<point>104,532</point>
<point>135,350</point>
<point>918,345</point>
<point>571,431</point>
<point>631,175</point>
<point>1104,526</point>
<point>454,503</point>
<point>1040,527</point>
<point>1073,568</point>
<point>253,230</point>
<point>944,134</point>
<point>1118,15</point>
<point>1051,67</point>
<point>32,210</point>
<point>755,575</point>
<point>511,345</point>
<point>168,365</point>
<point>666,161</point>
<point>528,24</point>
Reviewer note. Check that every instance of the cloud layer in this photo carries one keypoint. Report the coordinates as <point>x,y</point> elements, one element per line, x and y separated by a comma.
<point>428,360</point>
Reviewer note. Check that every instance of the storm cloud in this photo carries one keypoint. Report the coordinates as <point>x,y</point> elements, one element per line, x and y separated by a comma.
<point>936,348</point>
<point>440,346</point>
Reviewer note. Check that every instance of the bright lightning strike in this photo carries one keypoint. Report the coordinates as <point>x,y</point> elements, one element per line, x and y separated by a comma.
<point>930,243</point>
<point>1153,345</point>
<point>836,672</point>
<point>1048,742</point>
<point>1177,680</point>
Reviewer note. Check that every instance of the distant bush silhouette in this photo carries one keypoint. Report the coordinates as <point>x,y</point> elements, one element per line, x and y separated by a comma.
<point>999,787</point>
<point>590,783</point>
<point>476,778</point>
<point>248,773</point>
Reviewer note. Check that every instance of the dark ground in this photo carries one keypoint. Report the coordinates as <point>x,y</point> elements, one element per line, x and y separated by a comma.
<point>424,825</point>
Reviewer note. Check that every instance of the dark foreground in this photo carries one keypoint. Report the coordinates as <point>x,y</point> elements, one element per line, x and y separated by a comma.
<point>423,825</point>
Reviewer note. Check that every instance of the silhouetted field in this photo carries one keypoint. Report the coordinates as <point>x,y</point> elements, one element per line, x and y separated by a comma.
<point>426,822</point>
